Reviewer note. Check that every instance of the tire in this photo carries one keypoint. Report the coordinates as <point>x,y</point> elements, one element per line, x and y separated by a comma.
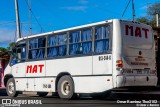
<point>66,87</point>
<point>11,88</point>
<point>42,94</point>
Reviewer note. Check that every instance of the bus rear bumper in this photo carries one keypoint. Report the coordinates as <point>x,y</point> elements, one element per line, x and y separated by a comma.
<point>136,81</point>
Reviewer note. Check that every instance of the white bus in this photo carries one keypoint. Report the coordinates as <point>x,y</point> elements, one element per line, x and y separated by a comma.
<point>91,59</point>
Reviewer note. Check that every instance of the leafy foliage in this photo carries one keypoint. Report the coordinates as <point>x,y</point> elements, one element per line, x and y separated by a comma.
<point>147,21</point>
<point>3,49</point>
<point>152,10</point>
<point>143,20</point>
<point>11,45</point>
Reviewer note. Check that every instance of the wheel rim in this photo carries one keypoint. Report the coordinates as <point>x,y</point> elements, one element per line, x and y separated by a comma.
<point>11,87</point>
<point>65,87</point>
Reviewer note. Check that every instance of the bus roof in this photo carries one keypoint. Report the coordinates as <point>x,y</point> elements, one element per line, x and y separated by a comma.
<point>72,28</point>
<point>64,30</point>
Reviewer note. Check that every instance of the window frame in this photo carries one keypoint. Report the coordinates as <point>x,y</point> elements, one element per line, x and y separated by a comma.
<point>109,38</point>
<point>68,43</point>
<point>57,45</point>
<point>21,47</point>
<point>38,48</point>
<point>80,41</point>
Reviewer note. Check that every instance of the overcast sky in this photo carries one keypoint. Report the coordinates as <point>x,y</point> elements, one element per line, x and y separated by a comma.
<point>50,15</point>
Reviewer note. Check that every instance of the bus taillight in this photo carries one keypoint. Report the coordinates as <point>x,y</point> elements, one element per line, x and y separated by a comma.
<point>119,63</point>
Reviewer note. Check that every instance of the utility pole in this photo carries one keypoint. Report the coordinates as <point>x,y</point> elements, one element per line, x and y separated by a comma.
<point>17,20</point>
<point>157,19</point>
<point>29,17</point>
<point>133,10</point>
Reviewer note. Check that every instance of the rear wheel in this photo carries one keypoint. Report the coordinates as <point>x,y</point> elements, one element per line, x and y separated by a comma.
<point>66,87</point>
<point>11,88</point>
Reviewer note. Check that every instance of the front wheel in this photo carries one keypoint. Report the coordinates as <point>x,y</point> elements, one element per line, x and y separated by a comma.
<point>66,87</point>
<point>11,88</point>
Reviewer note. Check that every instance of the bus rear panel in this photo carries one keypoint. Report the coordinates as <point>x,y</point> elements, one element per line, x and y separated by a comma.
<point>138,65</point>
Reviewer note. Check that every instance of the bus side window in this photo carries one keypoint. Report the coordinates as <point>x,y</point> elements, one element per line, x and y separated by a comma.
<point>75,45</point>
<point>41,48</point>
<point>57,45</point>
<point>33,45</point>
<point>86,37</point>
<point>37,48</point>
<point>101,44</point>
<point>80,42</point>
<point>62,41</point>
<point>19,53</point>
<point>52,51</point>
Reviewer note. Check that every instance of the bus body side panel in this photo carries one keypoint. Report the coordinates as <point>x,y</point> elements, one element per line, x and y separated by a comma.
<point>45,84</point>
<point>21,84</point>
<point>74,66</point>
<point>19,73</point>
<point>35,68</point>
<point>102,64</point>
<point>92,84</point>
<point>31,84</point>
<point>19,69</point>
<point>25,84</point>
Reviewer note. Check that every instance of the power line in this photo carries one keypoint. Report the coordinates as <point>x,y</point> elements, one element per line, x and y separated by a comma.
<point>133,11</point>
<point>126,8</point>
<point>25,31</point>
<point>42,30</point>
<point>29,17</point>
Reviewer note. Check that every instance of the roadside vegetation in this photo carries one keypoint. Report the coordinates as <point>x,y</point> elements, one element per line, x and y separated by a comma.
<point>150,18</point>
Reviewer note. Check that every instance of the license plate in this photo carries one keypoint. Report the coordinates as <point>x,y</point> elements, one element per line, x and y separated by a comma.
<point>137,71</point>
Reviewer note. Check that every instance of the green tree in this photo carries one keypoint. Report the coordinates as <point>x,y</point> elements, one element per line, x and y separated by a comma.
<point>150,18</point>
<point>11,45</point>
<point>3,49</point>
<point>147,21</point>
<point>143,20</point>
<point>153,9</point>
